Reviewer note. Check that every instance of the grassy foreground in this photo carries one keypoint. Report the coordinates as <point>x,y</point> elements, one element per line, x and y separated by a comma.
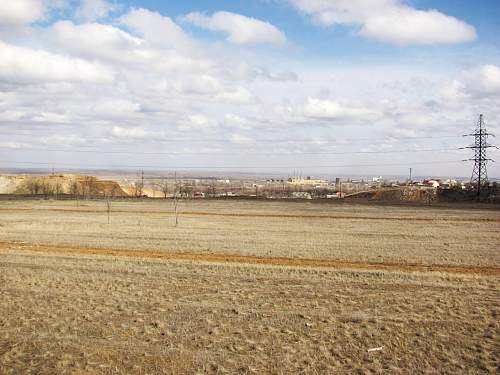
<point>375,234</point>
<point>247,287</point>
<point>106,315</point>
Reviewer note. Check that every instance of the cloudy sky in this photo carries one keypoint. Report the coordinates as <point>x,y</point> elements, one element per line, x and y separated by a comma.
<point>335,87</point>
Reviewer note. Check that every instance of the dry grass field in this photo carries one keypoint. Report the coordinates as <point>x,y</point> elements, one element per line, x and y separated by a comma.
<point>248,287</point>
<point>264,228</point>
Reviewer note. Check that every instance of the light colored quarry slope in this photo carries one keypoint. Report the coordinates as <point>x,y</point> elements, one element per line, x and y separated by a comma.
<point>20,184</point>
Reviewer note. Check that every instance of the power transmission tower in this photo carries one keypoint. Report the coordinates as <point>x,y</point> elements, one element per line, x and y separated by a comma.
<point>479,173</point>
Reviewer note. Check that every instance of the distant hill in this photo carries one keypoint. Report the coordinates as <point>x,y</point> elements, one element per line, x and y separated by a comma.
<point>60,184</point>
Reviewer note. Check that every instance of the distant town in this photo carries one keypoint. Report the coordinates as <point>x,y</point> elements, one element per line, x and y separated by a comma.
<point>140,185</point>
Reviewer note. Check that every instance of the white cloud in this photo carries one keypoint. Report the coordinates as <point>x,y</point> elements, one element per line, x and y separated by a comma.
<point>66,139</point>
<point>328,111</point>
<point>17,15</point>
<point>142,79</point>
<point>199,120</point>
<point>213,88</point>
<point>419,120</point>
<point>485,80</point>
<point>232,120</point>
<point>49,117</point>
<point>238,95</point>
<point>156,29</point>
<point>110,108</point>
<point>282,76</point>
<point>14,145</point>
<point>111,44</point>
<point>94,41</point>
<point>479,82</point>
<point>409,26</point>
<point>10,115</point>
<point>204,84</point>
<point>134,133</point>
<point>333,110</point>
<point>389,21</point>
<point>240,139</point>
<point>92,10</point>
<point>238,28</point>
<point>454,90</point>
<point>21,12</point>
<point>25,65</point>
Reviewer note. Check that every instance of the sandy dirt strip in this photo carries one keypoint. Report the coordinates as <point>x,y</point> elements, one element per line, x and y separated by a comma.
<point>260,215</point>
<point>245,259</point>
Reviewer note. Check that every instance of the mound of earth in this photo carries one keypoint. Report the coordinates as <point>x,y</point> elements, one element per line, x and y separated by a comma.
<point>60,184</point>
<point>403,194</point>
<point>9,184</point>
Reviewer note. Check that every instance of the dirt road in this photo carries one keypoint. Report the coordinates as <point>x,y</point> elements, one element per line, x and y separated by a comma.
<point>269,261</point>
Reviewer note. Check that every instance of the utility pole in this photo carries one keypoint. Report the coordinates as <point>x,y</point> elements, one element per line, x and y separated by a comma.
<point>479,174</point>
<point>410,176</point>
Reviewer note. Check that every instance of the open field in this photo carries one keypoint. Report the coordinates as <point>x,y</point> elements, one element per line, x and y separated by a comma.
<point>375,234</point>
<point>247,287</point>
<point>105,315</point>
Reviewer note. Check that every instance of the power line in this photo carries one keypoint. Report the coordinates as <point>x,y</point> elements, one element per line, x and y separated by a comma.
<point>227,153</point>
<point>318,142</point>
<point>279,140</point>
<point>209,167</point>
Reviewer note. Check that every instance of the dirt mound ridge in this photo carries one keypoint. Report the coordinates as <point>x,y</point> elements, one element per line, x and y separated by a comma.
<point>401,194</point>
<point>59,185</point>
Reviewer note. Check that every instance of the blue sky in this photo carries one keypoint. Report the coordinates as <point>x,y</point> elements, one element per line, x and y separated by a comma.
<point>329,87</point>
<point>326,42</point>
<point>339,42</point>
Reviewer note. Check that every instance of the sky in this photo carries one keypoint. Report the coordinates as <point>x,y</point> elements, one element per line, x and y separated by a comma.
<point>312,87</point>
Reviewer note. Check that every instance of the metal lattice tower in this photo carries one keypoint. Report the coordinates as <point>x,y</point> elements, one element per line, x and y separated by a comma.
<point>479,173</point>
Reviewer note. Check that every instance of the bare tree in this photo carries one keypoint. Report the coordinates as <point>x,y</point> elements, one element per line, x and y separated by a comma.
<point>108,207</point>
<point>58,189</point>
<point>212,189</point>
<point>46,188</point>
<point>89,186</point>
<point>74,187</point>
<point>176,201</point>
<point>139,186</point>
<point>33,186</point>
<point>86,186</point>
<point>115,191</point>
<point>138,189</point>
<point>164,188</point>
<point>74,190</point>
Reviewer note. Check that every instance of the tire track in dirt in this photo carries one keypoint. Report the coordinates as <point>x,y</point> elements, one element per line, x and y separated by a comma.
<point>250,215</point>
<point>249,260</point>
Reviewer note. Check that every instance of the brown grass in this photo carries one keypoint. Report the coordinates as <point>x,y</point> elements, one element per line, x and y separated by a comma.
<point>363,234</point>
<point>269,261</point>
<point>87,314</point>
<point>247,287</point>
<point>264,216</point>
